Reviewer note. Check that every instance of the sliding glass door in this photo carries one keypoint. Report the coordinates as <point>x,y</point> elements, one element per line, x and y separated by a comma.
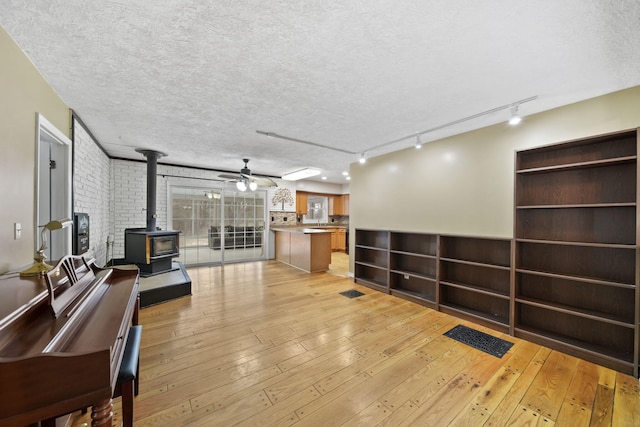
<point>218,225</point>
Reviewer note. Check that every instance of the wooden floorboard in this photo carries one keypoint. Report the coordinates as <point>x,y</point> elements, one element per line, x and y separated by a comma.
<point>264,344</point>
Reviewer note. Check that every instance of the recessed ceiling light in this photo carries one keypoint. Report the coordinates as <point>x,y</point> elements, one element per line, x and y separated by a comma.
<point>345,173</point>
<point>301,174</point>
<point>348,178</point>
<point>324,177</point>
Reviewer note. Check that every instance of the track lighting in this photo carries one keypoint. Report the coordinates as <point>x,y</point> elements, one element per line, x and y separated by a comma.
<point>515,117</point>
<point>362,159</point>
<point>418,143</point>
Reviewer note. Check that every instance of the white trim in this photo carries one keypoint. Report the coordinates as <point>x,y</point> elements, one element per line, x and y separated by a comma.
<point>66,211</point>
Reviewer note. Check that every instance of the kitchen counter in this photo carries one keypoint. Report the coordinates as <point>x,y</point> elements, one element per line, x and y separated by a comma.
<point>303,230</point>
<point>308,249</point>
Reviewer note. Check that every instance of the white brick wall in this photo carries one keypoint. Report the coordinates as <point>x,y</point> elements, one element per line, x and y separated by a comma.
<point>129,188</point>
<point>129,183</point>
<point>113,193</point>
<point>91,181</point>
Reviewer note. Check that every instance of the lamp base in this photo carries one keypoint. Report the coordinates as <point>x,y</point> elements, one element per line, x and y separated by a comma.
<point>39,267</point>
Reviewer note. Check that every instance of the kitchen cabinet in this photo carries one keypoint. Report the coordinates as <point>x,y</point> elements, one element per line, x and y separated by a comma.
<point>301,202</point>
<point>334,239</point>
<point>341,240</point>
<point>339,204</point>
<point>338,239</point>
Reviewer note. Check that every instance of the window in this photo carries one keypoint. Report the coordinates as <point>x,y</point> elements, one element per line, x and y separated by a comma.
<point>317,210</point>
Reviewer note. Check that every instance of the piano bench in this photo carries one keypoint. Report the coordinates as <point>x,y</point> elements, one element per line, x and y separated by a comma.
<point>128,382</point>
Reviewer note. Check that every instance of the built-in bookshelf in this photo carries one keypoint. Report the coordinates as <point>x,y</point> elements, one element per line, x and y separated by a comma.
<point>372,259</point>
<point>568,278</point>
<point>465,276</point>
<point>475,277</point>
<point>576,248</point>
<point>413,266</point>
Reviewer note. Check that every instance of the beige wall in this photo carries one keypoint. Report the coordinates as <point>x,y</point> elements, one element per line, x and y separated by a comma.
<point>464,184</point>
<point>24,93</point>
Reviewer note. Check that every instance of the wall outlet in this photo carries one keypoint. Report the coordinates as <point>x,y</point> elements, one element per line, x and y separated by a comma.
<point>17,230</point>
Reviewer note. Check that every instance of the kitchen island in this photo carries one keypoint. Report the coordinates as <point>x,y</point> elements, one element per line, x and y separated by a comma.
<point>308,249</point>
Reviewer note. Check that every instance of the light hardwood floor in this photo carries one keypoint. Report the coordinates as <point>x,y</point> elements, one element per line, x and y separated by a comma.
<point>263,344</point>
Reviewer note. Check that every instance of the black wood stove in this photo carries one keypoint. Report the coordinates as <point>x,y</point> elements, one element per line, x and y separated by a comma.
<point>150,248</point>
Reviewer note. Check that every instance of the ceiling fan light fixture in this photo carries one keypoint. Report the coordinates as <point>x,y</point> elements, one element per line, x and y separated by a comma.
<point>301,174</point>
<point>240,185</point>
<point>253,186</point>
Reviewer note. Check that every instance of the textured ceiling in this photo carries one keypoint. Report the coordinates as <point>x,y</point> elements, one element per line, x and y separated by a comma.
<point>197,79</point>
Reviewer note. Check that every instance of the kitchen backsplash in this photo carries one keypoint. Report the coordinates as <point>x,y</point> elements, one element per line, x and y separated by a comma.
<point>279,218</point>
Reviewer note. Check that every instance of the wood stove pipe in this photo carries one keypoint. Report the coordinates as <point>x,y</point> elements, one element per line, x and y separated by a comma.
<point>152,171</point>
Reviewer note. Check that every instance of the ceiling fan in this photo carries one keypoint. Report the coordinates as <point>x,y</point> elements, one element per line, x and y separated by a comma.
<point>245,180</point>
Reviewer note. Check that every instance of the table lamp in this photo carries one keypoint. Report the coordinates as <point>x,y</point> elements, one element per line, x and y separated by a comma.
<point>39,267</point>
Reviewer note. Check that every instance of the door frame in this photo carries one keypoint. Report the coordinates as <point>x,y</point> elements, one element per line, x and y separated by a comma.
<point>59,193</point>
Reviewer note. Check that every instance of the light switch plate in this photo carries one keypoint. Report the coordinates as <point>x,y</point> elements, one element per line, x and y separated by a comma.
<point>17,230</point>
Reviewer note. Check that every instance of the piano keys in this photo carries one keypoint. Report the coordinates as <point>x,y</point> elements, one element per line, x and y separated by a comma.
<point>61,340</point>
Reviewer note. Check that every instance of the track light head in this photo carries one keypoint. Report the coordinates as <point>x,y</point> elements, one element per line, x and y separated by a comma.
<point>418,143</point>
<point>362,159</point>
<point>515,117</point>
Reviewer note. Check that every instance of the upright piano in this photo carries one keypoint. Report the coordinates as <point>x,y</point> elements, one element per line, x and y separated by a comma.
<point>62,337</point>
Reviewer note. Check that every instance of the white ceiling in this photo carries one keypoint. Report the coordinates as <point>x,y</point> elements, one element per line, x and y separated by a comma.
<point>196,79</point>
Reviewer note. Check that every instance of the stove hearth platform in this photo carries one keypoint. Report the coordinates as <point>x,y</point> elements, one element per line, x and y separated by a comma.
<point>166,286</point>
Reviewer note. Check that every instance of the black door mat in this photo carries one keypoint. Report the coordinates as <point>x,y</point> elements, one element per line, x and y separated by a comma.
<point>479,340</point>
<point>352,293</point>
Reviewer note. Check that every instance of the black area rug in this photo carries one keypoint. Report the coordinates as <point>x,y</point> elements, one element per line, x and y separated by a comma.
<point>479,340</point>
<point>352,293</point>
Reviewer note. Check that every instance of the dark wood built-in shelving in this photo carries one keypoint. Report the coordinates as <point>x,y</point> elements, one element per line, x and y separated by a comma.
<point>568,278</point>
<point>372,259</point>
<point>475,279</point>
<point>576,248</point>
<point>465,276</point>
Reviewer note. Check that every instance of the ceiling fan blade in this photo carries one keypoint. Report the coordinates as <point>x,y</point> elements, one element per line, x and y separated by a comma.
<point>229,176</point>
<point>264,181</point>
